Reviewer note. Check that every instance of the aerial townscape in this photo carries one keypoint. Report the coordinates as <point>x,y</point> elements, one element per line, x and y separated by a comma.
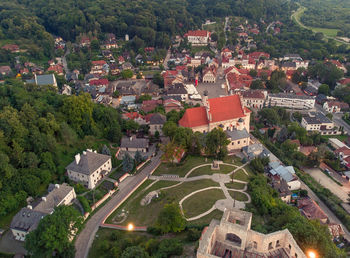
<point>175,128</point>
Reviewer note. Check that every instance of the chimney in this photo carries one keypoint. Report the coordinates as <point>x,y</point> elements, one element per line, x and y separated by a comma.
<point>43,198</point>
<point>77,158</point>
<point>57,186</point>
<point>29,207</point>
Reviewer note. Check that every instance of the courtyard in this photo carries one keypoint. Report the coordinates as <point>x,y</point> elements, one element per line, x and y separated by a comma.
<point>201,192</point>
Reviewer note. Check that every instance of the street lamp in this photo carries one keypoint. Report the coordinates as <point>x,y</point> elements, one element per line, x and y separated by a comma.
<point>130,227</point>
<point>311,254</point>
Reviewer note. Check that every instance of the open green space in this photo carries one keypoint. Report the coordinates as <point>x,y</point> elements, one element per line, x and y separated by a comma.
<point>182,168</point>
<point>239,196</point>
<point>240,175</point>
<point>235,185</point>
<point>201,202</point>
<point>224,169</point>
<point>204,221</point>
<point>341,138</point>
<point>147,215</point>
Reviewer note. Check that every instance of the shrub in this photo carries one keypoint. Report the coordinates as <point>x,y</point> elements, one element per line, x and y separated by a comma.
<point>84,202</point>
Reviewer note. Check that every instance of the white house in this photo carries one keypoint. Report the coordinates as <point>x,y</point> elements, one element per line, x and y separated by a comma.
<point>89,168</point>
<point>198,37</point>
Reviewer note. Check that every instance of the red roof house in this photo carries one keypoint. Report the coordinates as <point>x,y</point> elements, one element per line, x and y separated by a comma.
<point>11,47</point>
<point>99,82</point>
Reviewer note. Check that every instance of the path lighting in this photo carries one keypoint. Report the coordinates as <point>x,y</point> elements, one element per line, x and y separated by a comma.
<point>311,254</point>
<point>131,228</point>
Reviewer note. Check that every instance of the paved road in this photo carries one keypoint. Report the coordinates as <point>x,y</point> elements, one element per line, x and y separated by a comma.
<point>64,61</point>
<point>86,236</point>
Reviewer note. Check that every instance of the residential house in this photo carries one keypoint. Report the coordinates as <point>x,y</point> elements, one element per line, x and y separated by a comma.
<point>282,189</point>
<point>97,66</point>
<point>254,98</point>
<point>172,104</point>
<point>198,37</point>
<point>156,122</point>
<point>133,144</point>
<point>89,168</point>
<point>335,106</point>
<point>99,83</point>
<point>150,105</point>
<point>232,236</point>
<point>292,101</point>
<point>172,77</point>
<point>140,119</point>
<point>56,68</point>
<point>85,41</point>
<point>226,112</point>
<point>13,48</point>
<point>209,75</point>
<point>285,173</point>
<point>177,90</point>
<point>316,121</point>
<point>255,150</point>
<point>27,219</point>
<point>5,70</point>
<point>310,209</point>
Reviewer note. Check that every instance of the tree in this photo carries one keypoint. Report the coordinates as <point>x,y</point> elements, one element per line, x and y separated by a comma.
<point>253,73</point>
<point>138,157</point>
<point>257,165</point>
<point>170,219</point>
<point>54,232</point>
<point>158,79</point>
<point>257,84</point>
<point>116,94</point>
<point>134,252</point>
<point>324,89</point>
<point>128,163</point>
<point>216,143</point>
<point>106,150</point>
<point>169,248</point>
<point>126,74</point>
<point>214,37</point>
<point>171,151</point>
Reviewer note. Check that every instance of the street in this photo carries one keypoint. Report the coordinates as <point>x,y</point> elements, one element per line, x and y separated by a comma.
<point>337,119</point>
<point>126,188</point>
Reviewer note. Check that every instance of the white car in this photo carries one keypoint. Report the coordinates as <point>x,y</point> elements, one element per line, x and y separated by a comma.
<point>196,97</point>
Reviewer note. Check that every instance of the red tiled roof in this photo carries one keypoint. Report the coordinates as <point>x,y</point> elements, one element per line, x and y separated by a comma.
<point>10,47</point>
<point>257,55</point>
<point>197,33</point>
<point>345,150</point>
<point>253,94</point>
<point>261,71</point>
<point>56,68</point>
<point>345,81</point>
<point>311,209</point>
<point>99,62</point>
<point>99,82</point>
<point>237,81</point>
<point>133,115</point>
<point>221,109</point>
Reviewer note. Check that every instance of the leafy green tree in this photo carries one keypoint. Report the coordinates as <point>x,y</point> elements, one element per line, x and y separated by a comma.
<point>170,219</point>
<point>170,247</point>
<point>257,84</point>
<point>253,73</point>
<point>128,163</point>
<point>134,252</point>
<point>54,233</point>
<point>216,143</point>
<point>158,79</point>
<point>138,157</point>
<point>214,37</point>
<point>324,89</point>
<point>127,74</point>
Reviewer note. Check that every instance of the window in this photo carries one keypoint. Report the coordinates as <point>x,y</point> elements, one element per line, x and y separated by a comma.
<point>233,143</point>
<point>239,142</point>
<point>270,246</point>
<point>255,245</point>
<point>233,238</point>
<point>278,243</point>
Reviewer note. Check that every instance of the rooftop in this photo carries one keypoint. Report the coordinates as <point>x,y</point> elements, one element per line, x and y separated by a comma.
<point>88,162</point>
<point>237,134</point>
<point>317,118</point>
<point>27,219</point>
<point>289,96</point>
<point>133,142</point>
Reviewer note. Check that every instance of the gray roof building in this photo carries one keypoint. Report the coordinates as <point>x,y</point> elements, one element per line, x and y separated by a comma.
<point>45,79</point>
<point>27,219</point>
<point>88,162</point>
<point>237,134</point>
<point>135,143</point>
<point>317,118</point>
<point>157,119</point>
<point>57,194</point>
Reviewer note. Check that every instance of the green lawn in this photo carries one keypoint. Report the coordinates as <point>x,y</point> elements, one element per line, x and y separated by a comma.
<point>327,32</point>
<point>238,196</point>
<point>147,215</point>
<point>205,221</point>
<point>240,175</point>
<point>201,202</point>
<point>235,185</point>
<point>182,168</point>
<point>224,169</point>
<point>341,138</point>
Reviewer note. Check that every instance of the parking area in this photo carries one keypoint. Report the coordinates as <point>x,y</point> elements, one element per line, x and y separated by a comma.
<point>319,176</point>
<point>11,246</point>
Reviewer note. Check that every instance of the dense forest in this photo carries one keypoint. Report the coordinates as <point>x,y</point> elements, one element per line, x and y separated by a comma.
<point>332,14</point>
<point>40,132</point>
<point>153,21</point>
